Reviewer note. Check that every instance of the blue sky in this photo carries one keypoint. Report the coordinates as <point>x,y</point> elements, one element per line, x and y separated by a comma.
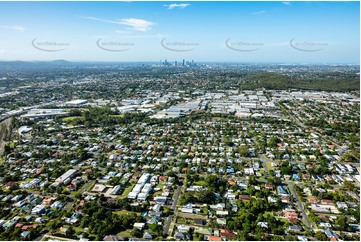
<point>296,32</point>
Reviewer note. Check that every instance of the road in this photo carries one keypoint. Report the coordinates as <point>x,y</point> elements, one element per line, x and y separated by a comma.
<point>42,233</point>
<point>67,206</point>
<point>167,225</point>
<point>39,238</point>
<point>176,197</point>
<point>58,238</point>
<point>170,217</point>
<point>86,186</point>
<point>300,206</point>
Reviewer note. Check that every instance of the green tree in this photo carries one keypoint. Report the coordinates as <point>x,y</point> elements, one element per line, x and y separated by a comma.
<point>136,233</point>
<point>156,228</point>
<point>321,236</point>
<point>341,223</point>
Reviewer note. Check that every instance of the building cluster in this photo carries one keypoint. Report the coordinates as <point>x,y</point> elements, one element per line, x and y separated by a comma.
<point>209,154</point>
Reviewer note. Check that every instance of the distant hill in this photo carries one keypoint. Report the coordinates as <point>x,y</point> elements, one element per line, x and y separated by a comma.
<point>322,82</point>
<point>15,65</point>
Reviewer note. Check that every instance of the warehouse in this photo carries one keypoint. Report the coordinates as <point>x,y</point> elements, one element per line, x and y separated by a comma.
<point>69,174</point>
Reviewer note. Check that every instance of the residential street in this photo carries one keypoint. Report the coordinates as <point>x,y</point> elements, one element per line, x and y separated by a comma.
<point>298,201</point>
<point>170,217</point>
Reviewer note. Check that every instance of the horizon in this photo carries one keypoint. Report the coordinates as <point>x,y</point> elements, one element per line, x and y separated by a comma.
<point>234,32</point>
<point>172,61</point>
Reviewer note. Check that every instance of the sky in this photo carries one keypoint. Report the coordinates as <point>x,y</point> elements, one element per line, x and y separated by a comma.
<point>281,32</point>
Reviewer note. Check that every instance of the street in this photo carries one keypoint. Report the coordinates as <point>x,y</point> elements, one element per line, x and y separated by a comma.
<point>167,225</point>
<point>170,217</point>
<point>176,197</point>
<point>85,187</point>
<point>304,215</point>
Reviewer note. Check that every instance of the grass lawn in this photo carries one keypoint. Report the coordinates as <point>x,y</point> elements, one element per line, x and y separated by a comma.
<point>117,115</point>
<point>69,119</point>
<point>181,220</point>
<point>284,220</point>
<point>73,193</point>
<point>160,185</point>
<point>192,216</point>
<point>78,229</point>
<point>125,233</point>
<point>29,179</point>
<point>157,193</point>
<point>125,212</point>
<point>269,165</point>
<point>184,220</point>
<point>200,183</point>
<point>127,191</point>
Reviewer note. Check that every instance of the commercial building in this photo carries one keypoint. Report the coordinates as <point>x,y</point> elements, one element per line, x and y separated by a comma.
<point>67,175</point>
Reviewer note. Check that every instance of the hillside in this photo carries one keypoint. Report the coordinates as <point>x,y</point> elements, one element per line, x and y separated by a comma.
<point>321,82</point>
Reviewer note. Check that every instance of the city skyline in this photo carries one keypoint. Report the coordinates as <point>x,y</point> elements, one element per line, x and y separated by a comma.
<point>264,32</point>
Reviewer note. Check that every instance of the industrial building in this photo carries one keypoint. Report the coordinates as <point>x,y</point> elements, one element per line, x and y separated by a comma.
<point>66,176</point>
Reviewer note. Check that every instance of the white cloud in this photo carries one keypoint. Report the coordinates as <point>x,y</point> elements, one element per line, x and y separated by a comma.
<point>259,12</point>
<point>177,5</point>
<point>136,24</point>
<point>287,3</point>
<point>13,27</point>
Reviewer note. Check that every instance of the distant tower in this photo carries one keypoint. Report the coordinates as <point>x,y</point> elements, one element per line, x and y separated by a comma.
<point>183,62</point>
<point>175,63</point>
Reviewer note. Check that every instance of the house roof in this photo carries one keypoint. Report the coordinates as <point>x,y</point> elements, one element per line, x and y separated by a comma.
<point>244,197</point>
<point>313,200</point>
<point>326,201</point>
<point>31,226</point>
<point>292,220</point>
<point>214,238</point>
<point>228,233</point>
<point>19,225</point>
<point>295,227</point>
<point>162,178</point>
<point>269,186</point>
<point>148,235</point>
<point>113,238</point>
<point>179,235</point>
<point>25,233</point>
<point>290,214</point>
<point>199,221</point>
